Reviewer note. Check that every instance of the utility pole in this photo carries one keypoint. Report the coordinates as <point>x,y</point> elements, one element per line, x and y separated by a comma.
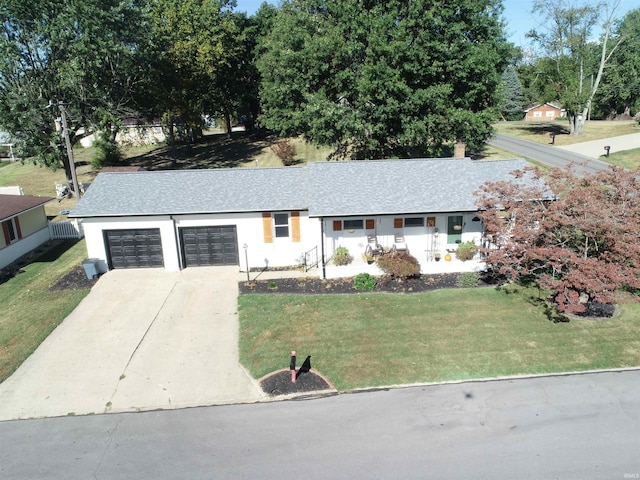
<point>67,141</point>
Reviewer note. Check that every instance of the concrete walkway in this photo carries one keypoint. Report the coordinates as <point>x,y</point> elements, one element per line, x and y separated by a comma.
<point>595,148</point>
<point>141,340</point>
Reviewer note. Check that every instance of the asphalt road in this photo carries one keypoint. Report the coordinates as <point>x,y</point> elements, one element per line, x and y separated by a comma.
<point>568,427</point>
<point>548,155</point>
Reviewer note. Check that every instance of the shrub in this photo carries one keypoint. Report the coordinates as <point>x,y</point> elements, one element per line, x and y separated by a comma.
<point>106,153</point>
<point>285,151</point>
<point>466,251</point>
<point>342,257</point>
<point>400,265</point>
<point>468,280</point>
<point>364,281</point>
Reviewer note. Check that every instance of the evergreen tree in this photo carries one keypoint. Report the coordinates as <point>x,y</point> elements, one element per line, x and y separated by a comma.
<point>512,106</point>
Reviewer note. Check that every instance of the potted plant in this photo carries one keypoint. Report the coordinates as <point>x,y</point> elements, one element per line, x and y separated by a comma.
<point>437,256</point>
<point>342,257</point>
<point>368,258</point>
<point>466,251</point>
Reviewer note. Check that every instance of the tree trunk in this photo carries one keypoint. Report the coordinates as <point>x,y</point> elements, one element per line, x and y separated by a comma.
<point>227,119</point>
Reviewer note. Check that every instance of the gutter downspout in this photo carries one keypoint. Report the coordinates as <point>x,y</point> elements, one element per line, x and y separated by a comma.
<point>175,234</point>
<point>324,273</point>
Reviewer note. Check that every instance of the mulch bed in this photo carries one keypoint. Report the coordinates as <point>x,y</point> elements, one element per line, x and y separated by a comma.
<point>76,279</point>
<point>312,285</point>
<point>279,383</point>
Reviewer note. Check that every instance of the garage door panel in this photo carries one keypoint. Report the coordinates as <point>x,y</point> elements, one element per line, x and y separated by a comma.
<point>135,248</point>
<point>209,245</point>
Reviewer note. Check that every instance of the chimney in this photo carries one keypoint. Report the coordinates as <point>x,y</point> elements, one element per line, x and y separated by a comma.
<point>459,149</point>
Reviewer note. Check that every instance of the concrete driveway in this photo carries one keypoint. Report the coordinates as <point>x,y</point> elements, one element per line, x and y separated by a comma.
<point>141,340</point>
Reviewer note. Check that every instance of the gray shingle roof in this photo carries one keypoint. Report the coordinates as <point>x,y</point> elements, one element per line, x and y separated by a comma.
<point>402,186</point>
<point>323,188</point>
<point>194,191</point>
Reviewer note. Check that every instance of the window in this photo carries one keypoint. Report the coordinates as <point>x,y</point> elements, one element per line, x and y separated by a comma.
<point>550,113</point>
<point>414,222</point>
<point>537,113</point>
<point>353,224</point>
<point>11,230</point>
<point>281,224</point>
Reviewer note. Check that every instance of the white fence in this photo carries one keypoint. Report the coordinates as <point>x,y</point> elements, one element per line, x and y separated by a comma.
<point>61,230</point>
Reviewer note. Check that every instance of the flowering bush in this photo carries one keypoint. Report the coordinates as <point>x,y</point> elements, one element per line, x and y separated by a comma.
<point>400,265</point>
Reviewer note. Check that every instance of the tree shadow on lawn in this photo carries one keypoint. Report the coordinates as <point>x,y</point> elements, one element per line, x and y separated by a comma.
<point>552,314</point>
<point>211,151</point>
<point>47,252</point>
<point>543,129</point>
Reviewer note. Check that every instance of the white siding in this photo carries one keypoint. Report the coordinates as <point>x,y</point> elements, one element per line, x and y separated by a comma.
<point>96,247</point>
<point>282,252</point>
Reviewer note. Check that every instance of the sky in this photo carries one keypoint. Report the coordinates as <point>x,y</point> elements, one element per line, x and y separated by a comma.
<point>517,14</point>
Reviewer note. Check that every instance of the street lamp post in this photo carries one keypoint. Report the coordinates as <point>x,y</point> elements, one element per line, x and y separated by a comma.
<point>67,141</point>
<point>246,259</point>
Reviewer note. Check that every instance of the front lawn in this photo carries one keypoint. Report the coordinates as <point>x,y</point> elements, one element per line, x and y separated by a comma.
<point>370,340</point>
<point>30,311</point>
<point>540,131</point>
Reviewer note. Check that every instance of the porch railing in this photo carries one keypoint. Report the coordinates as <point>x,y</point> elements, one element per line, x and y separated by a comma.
<point>63,230</point>
<point>311,259</point>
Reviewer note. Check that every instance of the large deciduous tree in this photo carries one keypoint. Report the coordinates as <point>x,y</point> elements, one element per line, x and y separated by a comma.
<point>76,54</point>
<point>204,59</point>
<point>620,93</point>
<point>574,65</point>
<point>389,78</point>
<point>576,236</point>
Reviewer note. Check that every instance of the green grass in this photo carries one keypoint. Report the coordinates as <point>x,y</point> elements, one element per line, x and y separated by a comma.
<point>371,340</point>
<point>540,131</point>
<point>626,159</point>
<point>30,311</point>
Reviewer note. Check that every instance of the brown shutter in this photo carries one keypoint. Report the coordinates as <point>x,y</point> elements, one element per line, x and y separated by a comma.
<point>337,225</point>
<point>18,232</point>
<point>397,223</point>
<point>5,230</point>
<point>266,227</point>
<point>295,226</point>
<point>370,224</point>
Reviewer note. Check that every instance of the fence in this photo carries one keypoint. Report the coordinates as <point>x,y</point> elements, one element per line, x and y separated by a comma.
<point>62,230</point>
<point>311,259</point>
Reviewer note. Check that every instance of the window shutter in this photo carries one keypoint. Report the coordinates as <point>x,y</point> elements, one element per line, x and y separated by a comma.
<point>295,226</point>
<point>266,227</point>
<point>5,230</point>
<point>370,224</point>
<point>337,225</point>
<point>397,223</point>
<point>18,232</point>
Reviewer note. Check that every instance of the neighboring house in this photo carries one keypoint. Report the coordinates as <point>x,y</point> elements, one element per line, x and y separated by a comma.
<point>134,132</point>
<point>275,217</point>
<point>7,146</point>
<point>544,112</point>
<point>24,226</point>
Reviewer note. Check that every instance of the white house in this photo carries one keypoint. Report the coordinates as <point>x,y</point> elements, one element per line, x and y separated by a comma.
<point>278,217</point>
<point>24,225</point>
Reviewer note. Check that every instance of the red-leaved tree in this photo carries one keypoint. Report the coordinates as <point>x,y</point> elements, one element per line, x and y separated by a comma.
<point>578,236</point>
